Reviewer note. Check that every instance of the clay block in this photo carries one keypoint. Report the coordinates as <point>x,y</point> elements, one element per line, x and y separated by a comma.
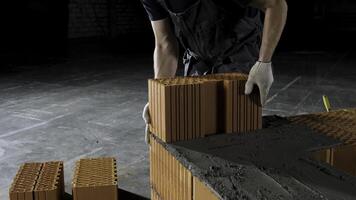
<point>38,181</point>
<point>186,108</point>
<point>95,179</point>
<point>344,159</point>
<point>201,191</point>
<point>50,183</point>
<point>25,181</point>
<point>169,178</point>
<point>339,124</point>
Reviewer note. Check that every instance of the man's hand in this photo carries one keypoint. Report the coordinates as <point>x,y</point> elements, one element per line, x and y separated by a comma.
<point>274,22</point>
<point>262,76</point>
<point>146,117</point>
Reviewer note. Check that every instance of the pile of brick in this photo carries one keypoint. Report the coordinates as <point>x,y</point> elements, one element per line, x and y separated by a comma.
<point>185,108</point>
<point>95,179</point>
<point>40,181</point>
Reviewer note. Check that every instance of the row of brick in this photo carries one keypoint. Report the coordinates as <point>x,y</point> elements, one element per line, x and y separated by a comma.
<point>340,124</point>
<point>93,179</point>
<point>340,157</point>
<point>185,108</point>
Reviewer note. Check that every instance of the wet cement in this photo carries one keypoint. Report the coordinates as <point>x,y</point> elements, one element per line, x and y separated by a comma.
<point>272,163</point>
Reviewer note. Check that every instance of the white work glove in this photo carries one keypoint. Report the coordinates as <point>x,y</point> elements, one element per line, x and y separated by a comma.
<point>146,117</point>
<point>262,76</point>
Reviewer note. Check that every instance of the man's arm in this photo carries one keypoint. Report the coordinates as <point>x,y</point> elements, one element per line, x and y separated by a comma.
<point>165,60</point>
<point>166,49</point>
<point>275,20</point>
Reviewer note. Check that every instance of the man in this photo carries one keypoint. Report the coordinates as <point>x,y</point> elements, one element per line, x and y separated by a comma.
<point>218,36</point>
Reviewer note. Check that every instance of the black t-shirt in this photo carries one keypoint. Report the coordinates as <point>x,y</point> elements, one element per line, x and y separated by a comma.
<point>156,11</point>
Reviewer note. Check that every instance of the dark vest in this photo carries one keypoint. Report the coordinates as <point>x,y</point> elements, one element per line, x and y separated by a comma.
<point>217,38</point>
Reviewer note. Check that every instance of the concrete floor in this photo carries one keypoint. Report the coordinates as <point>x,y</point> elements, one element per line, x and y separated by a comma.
<point>91,106</point>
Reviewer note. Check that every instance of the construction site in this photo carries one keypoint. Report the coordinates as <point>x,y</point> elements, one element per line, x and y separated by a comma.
<point>74,85</point>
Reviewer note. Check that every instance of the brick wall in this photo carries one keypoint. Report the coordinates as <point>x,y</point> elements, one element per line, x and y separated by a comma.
<point>105,18</point>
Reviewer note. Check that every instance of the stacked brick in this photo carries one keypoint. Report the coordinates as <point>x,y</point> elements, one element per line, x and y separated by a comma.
<point>38,181</point>
<point>95,179</point>
<point>185,108</point>
<point>340,125</point>
<point>201,191</point>
<point>171,180</point>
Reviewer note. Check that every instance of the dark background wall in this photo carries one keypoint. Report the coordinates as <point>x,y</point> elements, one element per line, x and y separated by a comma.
<point>106,18</point>
<point>320,24</point>
<point>34,29</point>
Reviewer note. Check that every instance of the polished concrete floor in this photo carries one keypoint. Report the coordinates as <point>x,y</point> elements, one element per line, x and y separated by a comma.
<point>90,105</point>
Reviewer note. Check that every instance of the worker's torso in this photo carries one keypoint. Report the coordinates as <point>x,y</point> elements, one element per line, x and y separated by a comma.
<point>219,36</point>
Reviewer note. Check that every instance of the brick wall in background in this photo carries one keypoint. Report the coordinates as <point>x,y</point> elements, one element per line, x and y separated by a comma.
<point>105,18</point>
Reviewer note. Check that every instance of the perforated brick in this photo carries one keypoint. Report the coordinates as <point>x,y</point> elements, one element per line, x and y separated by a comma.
<point>50,183</point>
<point>38,181</point>
<point>95,179</point>
<point>185,108</point>
<point>339,124</point>
<point>169,179</point>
